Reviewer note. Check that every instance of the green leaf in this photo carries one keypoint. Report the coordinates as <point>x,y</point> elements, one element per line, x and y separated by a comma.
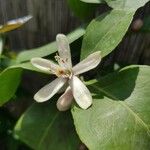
<point>128,5</point>
<point>27,66</point>
<point>92,1</point>
<point>42,127</point>
<point>106,32</point>
<point>49,48</point>
<point>82,10</point>
<point>119,118</point>
<point>9,81</point>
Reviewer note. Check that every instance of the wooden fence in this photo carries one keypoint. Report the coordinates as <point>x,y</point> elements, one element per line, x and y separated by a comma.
<point>53,16</point>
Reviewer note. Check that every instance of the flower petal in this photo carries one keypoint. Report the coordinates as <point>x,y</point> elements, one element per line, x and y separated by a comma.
<point>49,90</point>
<point>88,63</point>
<point>64,50</point>
<point>65,101</point>
<point>80,92</point>
<point>45,65</point>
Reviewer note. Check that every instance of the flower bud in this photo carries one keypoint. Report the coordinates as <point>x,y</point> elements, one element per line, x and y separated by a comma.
<point>65,101</point>
<point>137,25</point>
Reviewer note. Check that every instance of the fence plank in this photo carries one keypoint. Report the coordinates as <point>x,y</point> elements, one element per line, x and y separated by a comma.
<point>53,16</point>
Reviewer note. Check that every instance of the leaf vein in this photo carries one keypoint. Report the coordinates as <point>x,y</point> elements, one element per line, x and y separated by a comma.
<point>124,104</point>
<point>46,130</point>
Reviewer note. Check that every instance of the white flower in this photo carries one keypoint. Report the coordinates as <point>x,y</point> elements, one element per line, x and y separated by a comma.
<point>66,74</point>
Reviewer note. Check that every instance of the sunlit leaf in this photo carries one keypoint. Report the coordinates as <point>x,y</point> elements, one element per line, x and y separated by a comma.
<point>126,5</point>
<point>42,127</point>
<point>14,24</point>
<point>49,48</point>
<point>119,118</point>
<point>106,32</point>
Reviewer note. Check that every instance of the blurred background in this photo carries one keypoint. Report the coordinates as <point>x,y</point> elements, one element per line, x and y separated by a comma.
<point>51,17</point>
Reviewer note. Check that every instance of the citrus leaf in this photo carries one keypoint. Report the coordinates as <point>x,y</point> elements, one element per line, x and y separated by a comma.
<point>119,117</point>
<point>9,81</point>
<point>49,48</point>
<point>106,32</point>
<point>26,66</point>
<point>126,5</point>
<point>42,127</point>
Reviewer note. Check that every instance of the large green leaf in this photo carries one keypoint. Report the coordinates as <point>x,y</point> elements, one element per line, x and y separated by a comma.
<point>128,5</point>
<point>26,66</point>
<point>9,81</point>
<point>119,118</point>
<point>49,48</point>
<point>42,127</point>
<point>106,32</point>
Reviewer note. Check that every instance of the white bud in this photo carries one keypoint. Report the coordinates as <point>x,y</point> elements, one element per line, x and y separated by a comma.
<point>65,101</point>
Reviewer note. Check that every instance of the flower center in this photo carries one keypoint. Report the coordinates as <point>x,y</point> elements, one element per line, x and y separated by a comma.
<point>63,73</point>
<point>64,70</point>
